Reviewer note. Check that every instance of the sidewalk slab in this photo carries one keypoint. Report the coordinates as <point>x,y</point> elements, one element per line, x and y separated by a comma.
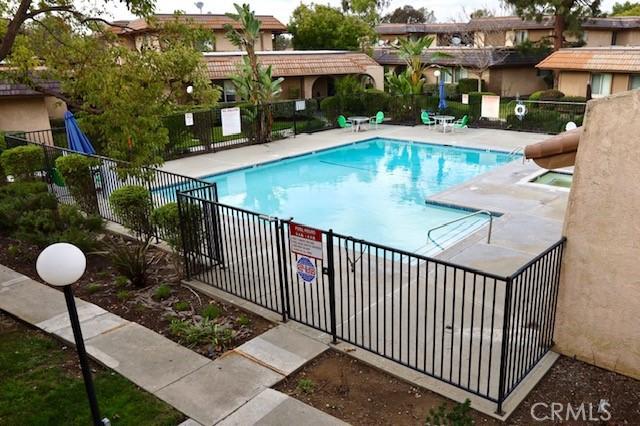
<point>143,356</point>
<point>282,349</point>
<point>273,408</point>
<point>10,277</point>
<point>211,393</point>
<point>93,327</point>
<point>31,301</point>
<point>86,311</point>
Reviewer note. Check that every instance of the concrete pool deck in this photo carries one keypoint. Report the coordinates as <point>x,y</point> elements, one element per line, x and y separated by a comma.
<point>531,218</point>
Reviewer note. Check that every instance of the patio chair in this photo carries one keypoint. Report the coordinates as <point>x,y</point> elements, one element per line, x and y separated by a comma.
<point>460,124</point>
<point>378,119</point>
<point>427,120</point>
<point>343,123</point>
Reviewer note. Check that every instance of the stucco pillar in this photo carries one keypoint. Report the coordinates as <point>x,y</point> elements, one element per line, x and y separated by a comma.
<point>376,72</point>
<point>598,318</point>
<point>308,86</point>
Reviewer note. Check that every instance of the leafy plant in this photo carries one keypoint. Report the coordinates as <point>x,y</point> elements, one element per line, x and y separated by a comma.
<point>93,288</point>
<point>123,295</point>
<point>181,305</point>
<point>131,260</point>
<point>202,332</point>
<point>77,172</point>
<point>132,205</point>
<point>121,281</point>
<point>22,162</point>
<point>163,291</point>
<point>243,320</point>
<point>210,312</point>
<point>306,385</point>
<point>445,416</point>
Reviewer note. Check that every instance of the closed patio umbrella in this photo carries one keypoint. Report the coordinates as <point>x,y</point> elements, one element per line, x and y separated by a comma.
<point>442,104</point>
<point>77,140</point>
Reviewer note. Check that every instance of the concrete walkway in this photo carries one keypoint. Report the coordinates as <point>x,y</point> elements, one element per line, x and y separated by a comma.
<point>233,388</point>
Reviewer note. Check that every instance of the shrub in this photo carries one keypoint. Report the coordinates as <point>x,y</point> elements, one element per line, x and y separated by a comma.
<point>543,121</point>
<point>330,106</point>
<point>574,99</point>
<point>202,332</point>
<point>163,291</point>
<point>468,85</point>
<point>243,320</point>
<point>131,261</point>
<point>22,161</point>
<point>546,95</point>
<point>78,176</point>
<point>306,385</point>
<point>19,198</point>
<point>181,305</point>
<point>132,205</point>
<point>459,415</point>
<point>210,312</point>
<point>167,219</point>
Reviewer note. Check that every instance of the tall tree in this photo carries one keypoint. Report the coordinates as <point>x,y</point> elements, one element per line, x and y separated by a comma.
<point>324,27</point>
<point>119,95</point>
<point>368,10</point>
<point>22,12</point>
<point>253,82</point>
<point>409,15</point>
<point>626,9</point>
<point>568,14</point>
<point>481,13</point>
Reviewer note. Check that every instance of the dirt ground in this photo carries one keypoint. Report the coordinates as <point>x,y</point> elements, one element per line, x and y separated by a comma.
<point>98,286</point>
<point>362,395</point>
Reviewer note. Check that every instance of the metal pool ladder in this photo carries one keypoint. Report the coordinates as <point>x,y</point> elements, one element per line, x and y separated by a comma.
<point>477,213</point>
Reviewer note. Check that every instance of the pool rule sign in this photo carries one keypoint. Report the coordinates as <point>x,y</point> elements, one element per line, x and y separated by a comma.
<point>307,244</point>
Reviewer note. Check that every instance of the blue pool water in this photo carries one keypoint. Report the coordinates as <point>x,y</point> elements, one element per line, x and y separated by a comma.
<point>374,189</point>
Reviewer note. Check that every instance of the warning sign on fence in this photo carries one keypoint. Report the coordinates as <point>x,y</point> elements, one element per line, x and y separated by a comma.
<point>305,241</point>
<point>306,269</point>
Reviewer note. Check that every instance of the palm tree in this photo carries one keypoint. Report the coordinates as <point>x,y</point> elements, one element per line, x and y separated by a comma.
<point>253,82</point>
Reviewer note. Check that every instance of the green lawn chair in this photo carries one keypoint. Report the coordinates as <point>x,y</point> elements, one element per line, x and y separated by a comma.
<point>460,124</point>
<point>378,119</point>
<point>426,120</point>
<point>343,123</point>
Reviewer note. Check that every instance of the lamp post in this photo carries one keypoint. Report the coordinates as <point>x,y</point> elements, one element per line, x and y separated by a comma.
<point>436,73</point>
<point>189,90</point>
<point>61,265</point>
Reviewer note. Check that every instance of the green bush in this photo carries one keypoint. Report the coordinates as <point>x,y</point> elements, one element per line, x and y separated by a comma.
<point>19,198</point>
<point>22,162</point>
<point>546,95</point>
<point>574,99</point>
<point>78,176</point>
<point>167,219</point>
<point>468,85</point>
<point>330,107</point>
<point>162,292</point>
<point>210,312</point>
<point>132,205</point>
<point>545,121</point>
<point>131,261</point>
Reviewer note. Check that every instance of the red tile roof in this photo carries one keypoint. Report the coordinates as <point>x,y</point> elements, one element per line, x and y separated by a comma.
<point>608,59</point>
<point>292,63</point>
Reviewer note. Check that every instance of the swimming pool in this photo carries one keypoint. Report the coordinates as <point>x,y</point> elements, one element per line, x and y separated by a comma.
<point>373,189</point>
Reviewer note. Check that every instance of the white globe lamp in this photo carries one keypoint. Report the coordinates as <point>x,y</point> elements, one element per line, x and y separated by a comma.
<point>190,89</point>
<point>61,264</point>
<point>436,73</point>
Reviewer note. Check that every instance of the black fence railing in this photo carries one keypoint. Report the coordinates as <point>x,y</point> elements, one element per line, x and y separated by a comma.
<point>109,175</point>
<point>477,331</point>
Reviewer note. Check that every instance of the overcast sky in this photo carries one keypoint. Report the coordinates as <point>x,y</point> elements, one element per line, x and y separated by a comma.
<point>445,10</point>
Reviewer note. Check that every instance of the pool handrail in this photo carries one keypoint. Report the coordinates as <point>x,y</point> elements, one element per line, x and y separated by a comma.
<point>479,212</point>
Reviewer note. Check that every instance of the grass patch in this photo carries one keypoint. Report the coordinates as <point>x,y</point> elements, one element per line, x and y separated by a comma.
<point>121,281</point>
<point>306,385</point>
<point>40,384</point>
<point>93,288</point>
<point>181,305</point>
<point>163,291</point>
<point>123,295</point>
<point>243,320</point>
<point>210,312</point>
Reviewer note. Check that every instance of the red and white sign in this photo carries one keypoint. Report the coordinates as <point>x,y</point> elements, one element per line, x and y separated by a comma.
<point>305,241</point>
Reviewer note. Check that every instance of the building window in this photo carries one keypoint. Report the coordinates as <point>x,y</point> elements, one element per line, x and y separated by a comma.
<point>614,38</point>
<point>229,91</point>
<point>521,36</point>
<point>634,81</point>
<point>600,85</point>
<point>453,75</point>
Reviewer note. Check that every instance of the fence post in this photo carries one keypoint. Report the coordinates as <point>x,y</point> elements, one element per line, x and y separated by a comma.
<point>503,351</point>
<point>282,269</point>
<point>332,285</point>
<point>295,127</point>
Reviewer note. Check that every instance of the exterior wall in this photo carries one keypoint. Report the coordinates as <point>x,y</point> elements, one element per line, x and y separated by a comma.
<point>224,45</point>
<point>620,83</point>
<point>376,72</point>
<point>518,81</point>
<point>292,88</point>
<point>497,38</point>
<point>23,113</point>
<point>599,297</point>
<point>537,35</point>
<point>55,108</point>
<point>573,83</point>
<point>267,40</point>
<point>628,38</point>
<point>598,38</point>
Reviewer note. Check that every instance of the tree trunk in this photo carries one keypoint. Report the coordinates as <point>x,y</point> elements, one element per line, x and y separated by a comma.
<point>558,32</point>
<point>13,28</point>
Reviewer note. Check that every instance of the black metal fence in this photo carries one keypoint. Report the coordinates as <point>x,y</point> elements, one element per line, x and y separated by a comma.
<point>477,331</point>
<point>108,175</point>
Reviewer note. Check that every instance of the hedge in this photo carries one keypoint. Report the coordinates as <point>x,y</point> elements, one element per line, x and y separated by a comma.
<point>77,174</point>
<point>22,161</point>
<point>132,205</point>
<point>468,85</point>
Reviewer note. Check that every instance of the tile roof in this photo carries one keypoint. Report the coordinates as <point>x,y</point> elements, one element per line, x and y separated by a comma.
<point>612,23</point>
<point>610,59</point>
<point>12,89</point>
<point>509,23</point>
<point>420,28</point>
<point>292,63</point>
<point>214,22</point>
<point>464,56</point>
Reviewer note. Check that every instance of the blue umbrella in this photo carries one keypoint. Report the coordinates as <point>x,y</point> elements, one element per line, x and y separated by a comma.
<point>443,101</point>
<point>77,140</point>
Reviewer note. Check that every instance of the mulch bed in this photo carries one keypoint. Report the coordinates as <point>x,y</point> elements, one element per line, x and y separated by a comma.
<point>98,286</point>
<point>362,395</point>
